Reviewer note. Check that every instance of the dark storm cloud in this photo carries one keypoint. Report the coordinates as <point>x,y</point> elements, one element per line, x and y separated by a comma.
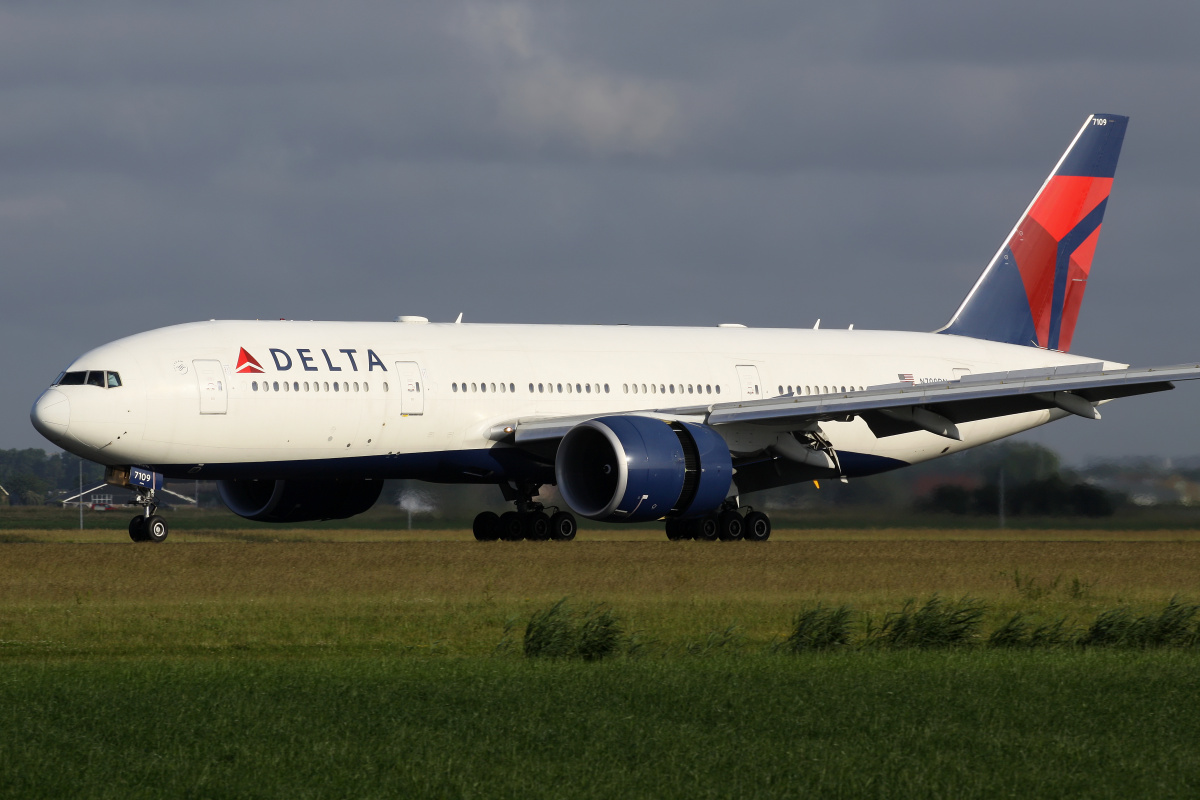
<point>639,162</point>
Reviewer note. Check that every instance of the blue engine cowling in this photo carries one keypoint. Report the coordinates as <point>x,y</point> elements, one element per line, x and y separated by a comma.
<point>634,469</point>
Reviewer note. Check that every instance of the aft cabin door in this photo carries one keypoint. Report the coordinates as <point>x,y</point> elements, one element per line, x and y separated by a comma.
<point>748,379</point>
<point>214,398</point>
<point>412,394</point>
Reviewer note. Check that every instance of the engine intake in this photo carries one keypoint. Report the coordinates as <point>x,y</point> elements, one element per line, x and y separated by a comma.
<point>299,501</point>
<point>634,469</point>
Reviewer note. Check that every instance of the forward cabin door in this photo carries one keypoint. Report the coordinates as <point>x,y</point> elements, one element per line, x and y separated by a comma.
<point>748,381</point>
<point>412,394</point>
<point>214,398</point>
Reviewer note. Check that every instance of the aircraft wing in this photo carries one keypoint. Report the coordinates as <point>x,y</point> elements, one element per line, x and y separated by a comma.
<point>903,407</point>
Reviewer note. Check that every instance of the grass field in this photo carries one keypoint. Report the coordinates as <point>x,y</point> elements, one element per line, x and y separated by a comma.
<point>1094,724</point>
<point>370,662</point>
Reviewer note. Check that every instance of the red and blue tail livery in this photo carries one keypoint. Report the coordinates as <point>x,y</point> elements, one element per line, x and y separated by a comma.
<point>1031,292</point>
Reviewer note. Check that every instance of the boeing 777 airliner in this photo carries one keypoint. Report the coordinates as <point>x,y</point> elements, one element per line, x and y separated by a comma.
<point>305,420</point>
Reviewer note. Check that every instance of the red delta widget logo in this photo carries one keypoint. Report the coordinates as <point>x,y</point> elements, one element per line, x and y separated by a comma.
<point>344,356</point>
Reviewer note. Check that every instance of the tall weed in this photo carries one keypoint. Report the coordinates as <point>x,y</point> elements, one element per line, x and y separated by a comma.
<point>819,628</point>
<point>1120,627</point>
<point>937,623</point>
<point>1018,632</point>
<point>560,631</point>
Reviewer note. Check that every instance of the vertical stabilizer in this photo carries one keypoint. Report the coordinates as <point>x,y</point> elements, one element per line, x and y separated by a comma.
<point>1031,291</point>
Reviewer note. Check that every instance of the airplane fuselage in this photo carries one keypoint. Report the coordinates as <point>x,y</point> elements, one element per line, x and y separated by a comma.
<point>412,400</point>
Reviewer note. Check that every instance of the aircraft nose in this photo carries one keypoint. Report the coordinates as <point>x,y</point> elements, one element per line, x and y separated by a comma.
<point>51,414</point>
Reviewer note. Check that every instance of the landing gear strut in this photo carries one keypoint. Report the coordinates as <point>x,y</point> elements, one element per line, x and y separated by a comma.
<point>147,526</point>
<point>728,525</point>
<point>529,520</point>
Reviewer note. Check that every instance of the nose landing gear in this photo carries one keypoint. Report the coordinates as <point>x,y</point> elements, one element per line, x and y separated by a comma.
<point>147,526</point>
<point>529,521</point>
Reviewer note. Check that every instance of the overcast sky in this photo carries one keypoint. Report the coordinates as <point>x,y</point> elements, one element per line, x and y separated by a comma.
<point>646,162</point>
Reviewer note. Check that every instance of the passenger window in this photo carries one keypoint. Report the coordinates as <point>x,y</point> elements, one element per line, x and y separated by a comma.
<point>327,386</point>
<point>286,387</point>
<point>606,388</point>
<point>385,386</point>
<point>356,386</point>
<point>558,388</point>
<point>493,387</point>
<point>275,385</point>
<point>531,388</point>
<point>220,387</point>
<point>718,388</point>
<point>95,378</point>
<point>672,388</point>
<point>577,389</point>
<point>254,385</point>
<point>512,387</point>
<point>625,388</point>
<point>295,385</point>
<point>336,388</point>
<point>366,386</point>
<point>503,388</point>
<point>539,387</point>
<point>114,380</point>
<point>454,387</point>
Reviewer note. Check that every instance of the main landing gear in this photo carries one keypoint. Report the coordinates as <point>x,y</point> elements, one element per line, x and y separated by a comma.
<point>147,526</point>
<point>728,525</point>
<point>529,521</point>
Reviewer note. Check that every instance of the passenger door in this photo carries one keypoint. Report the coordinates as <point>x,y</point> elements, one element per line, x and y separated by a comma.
<point>748,381</point>
<point>214,399</point>
<point>412,395</point>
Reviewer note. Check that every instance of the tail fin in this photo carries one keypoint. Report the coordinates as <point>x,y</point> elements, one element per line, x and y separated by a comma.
<point>1031,291</point>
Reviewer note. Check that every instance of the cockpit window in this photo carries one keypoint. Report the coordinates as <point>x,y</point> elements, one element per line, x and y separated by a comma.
<point>97,377</point>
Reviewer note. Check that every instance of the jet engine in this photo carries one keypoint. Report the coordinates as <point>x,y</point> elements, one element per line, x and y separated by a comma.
<point>299,501</point>
<point>632,469</point>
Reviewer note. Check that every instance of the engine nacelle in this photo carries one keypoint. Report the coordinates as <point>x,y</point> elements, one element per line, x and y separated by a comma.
<point>634,469</point>
<point>299,501</point>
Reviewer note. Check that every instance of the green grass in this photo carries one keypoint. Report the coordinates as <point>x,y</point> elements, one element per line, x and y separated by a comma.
<point>895,724</point>
<point>226,668</point>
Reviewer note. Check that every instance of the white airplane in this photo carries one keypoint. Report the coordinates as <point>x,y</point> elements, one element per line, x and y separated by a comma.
<point>304,420</point>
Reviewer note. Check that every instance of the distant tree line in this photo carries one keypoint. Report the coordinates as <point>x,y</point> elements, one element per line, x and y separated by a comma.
<point>1046,497</point>
<point>33,476</point>
<point>964,483</point>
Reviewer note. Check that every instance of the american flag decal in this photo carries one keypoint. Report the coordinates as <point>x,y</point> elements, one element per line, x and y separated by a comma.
<point>906,377</point>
